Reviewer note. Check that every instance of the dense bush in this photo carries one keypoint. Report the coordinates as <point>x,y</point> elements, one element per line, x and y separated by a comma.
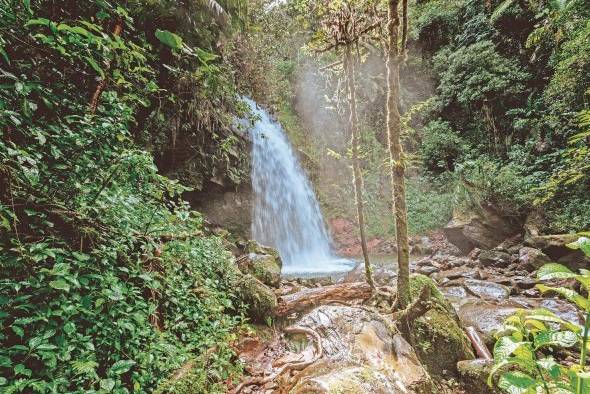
<point>107,283</point>
<point>441,147</point>
<point>512,80</point>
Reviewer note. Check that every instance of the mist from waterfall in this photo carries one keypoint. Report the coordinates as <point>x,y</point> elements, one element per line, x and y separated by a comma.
<point>286,214</point>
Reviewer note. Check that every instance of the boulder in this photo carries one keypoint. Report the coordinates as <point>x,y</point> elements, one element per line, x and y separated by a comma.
<point>362,353</point>
<point>252,246</point>
<point>336,379</point>
<point>484,229</point>
<point>532,259</point>
<point>494,258</point>
<point>474,373</point>
<point>438,338</point>
<point>487,318</point>
<point>554,246</point>
<point>486,290</point>
<point>456,273</point>
<point>261,300</point>
<point>264,267</point>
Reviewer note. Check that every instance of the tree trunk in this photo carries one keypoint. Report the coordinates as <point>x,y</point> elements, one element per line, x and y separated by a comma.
<point>103,82</point>
<point>310,298</point>
<point>396,155</point>
<point>357,177</point>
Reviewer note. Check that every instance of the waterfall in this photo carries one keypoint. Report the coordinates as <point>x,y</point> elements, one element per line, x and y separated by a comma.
<point>286,214</point>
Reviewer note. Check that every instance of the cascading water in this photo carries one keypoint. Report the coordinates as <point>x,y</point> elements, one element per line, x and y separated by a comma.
<point>286,213</point>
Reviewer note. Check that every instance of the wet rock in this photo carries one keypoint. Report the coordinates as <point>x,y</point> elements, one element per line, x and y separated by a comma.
<point>421,246</point>
<point>487,290</point>
<point>494,258</point>
<point>486,317</point>
<point>485,230</point>
<point>524,282</point>
<point>532,259</point>
<point>561,308</point>
<point>501,280</point>
<point>346,379</point>
<point>459,272</point>
<point>475,375</point>
<point>264,267</point>
<point>427,270</point>
<point>357,343</point>
<point>455,294</point>
<point>438,338</point>
<point>532,293</point>
<point>555,247</point>
<point>382,275</point>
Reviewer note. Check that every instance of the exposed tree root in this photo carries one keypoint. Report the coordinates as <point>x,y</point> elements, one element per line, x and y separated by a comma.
<point>405,318</point>
<point>297,366</point>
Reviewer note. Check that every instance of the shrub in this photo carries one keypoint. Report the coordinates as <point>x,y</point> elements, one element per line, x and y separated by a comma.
<point>524,352</point>
<point>441,147</point>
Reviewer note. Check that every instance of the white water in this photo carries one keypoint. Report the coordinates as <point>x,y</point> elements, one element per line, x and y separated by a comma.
<point>286,213</point>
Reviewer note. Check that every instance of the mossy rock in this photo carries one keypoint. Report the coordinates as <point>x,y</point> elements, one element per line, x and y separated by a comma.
<point>264,267</point>
<point>474,373</point>
<point>438,338</point>
<point>254,247</point>
<point>261,300</point>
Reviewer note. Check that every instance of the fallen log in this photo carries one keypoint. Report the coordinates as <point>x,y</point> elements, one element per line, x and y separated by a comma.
<point>310,298</point>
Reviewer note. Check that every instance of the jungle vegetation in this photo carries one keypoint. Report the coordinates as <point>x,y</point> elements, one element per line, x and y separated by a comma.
<point>113,113</point>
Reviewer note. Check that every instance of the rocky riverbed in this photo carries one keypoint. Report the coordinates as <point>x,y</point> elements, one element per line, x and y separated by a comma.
<point>357,346</point>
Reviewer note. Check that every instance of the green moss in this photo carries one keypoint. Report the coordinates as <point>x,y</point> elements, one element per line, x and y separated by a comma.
<point>260,299</point>
<point>438,338</point>
<point>254,247</point>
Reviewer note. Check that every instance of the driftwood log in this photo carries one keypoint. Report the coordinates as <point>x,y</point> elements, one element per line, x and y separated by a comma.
<point>309,298</point>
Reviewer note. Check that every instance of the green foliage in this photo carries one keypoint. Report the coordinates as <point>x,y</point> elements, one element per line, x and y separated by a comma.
<point>436,23</point>
<point>511,77</point>
<point>523,352</point>
<point>478,74</point>
<point>504,186</point>
<point>94,296</point>
<point>441,147</point>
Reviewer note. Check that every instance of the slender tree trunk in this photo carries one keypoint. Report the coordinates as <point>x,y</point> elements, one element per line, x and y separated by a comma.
<point>117,29</point>
<point>357,176</point>
<point>396,155</point>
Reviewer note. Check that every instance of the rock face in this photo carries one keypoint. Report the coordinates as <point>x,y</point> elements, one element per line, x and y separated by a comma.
<point>484,230</point>
<point>438,339</point>
<point>555,247</point>
<point>362,353</point>
<point>226,206</point>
